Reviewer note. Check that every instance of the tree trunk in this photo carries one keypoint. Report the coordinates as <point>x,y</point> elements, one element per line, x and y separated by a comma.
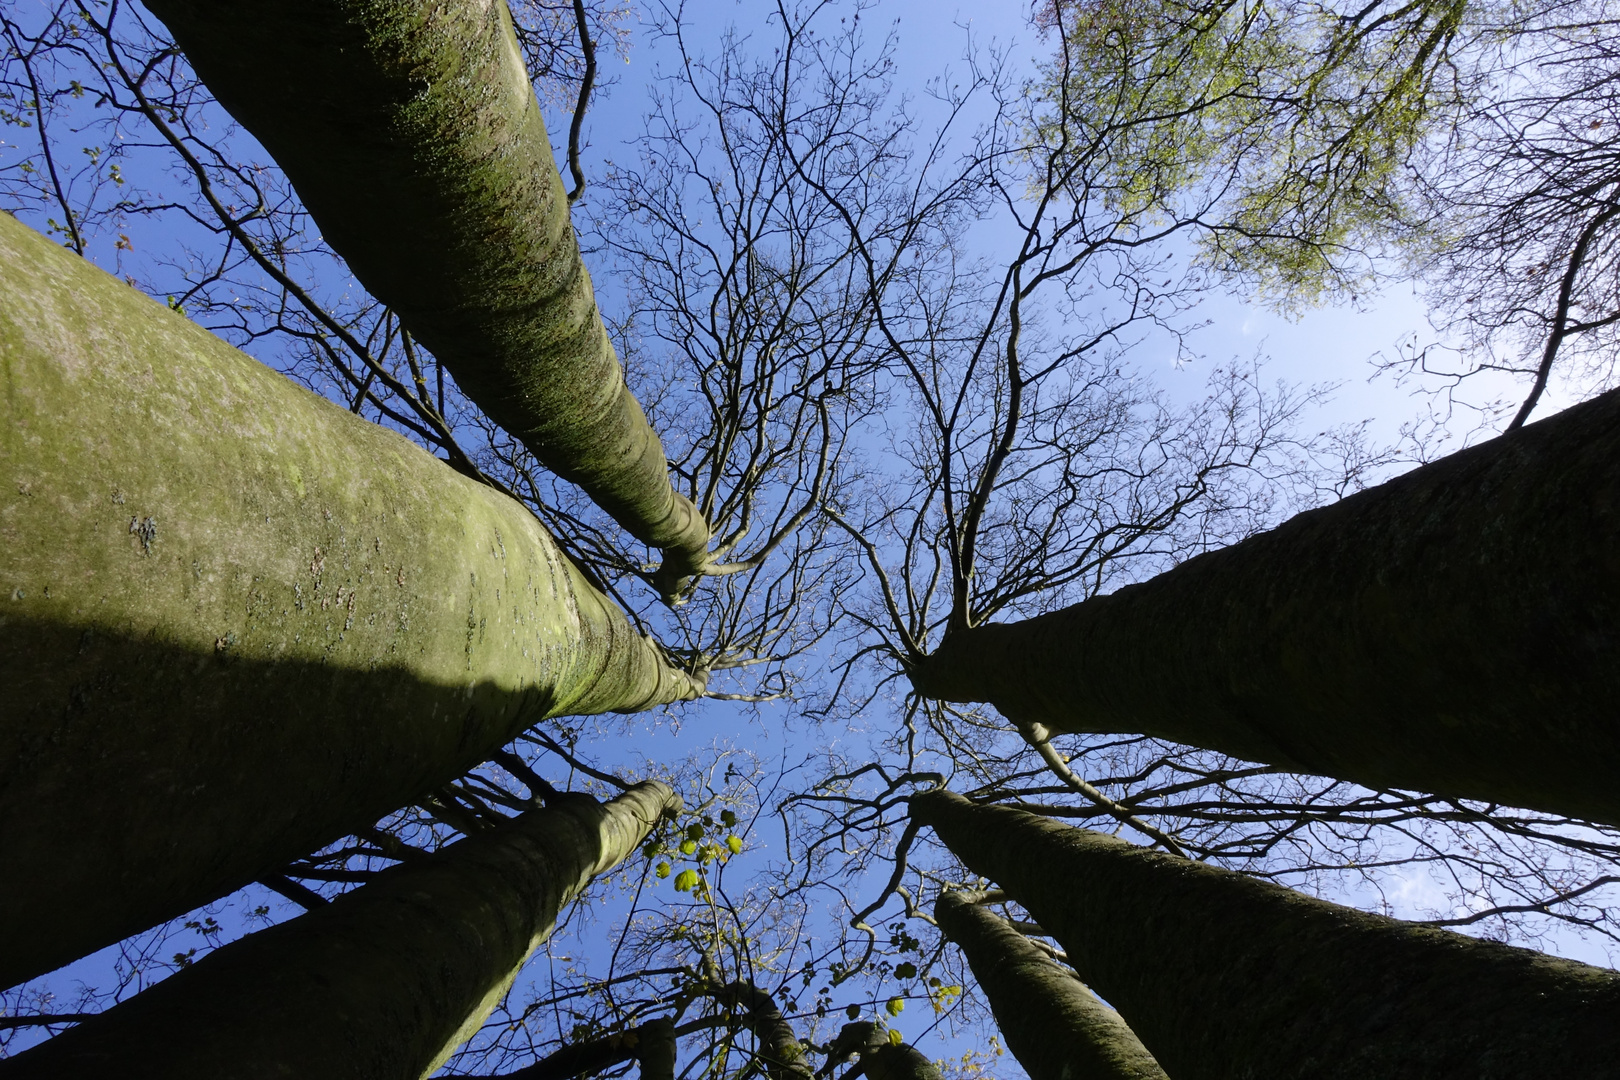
<point>884,1055</point>
<point>1223,976</point>
<point>652,1043</point>
<point>411,133</point>
<point>898,1061</point>
<point>1052,1024</point>
<point>655,1049</point>
<point>778,1048</point>
<point>237,622</point>
<point>385,982</point>
<point>1456,630</point>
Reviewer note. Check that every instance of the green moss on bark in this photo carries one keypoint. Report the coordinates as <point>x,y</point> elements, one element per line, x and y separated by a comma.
<point>383,983</point>
<point>1224,977</point>
<point>236,621</point>
<point>411,133</point>
<point>1455,630</point>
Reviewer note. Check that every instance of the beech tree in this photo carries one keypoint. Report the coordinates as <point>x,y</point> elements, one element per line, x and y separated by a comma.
<point>1442,631</point>
<point>1051,1021</point>
<point>385,981</point>
<point>895,431</point>
<point>489,278</point>
<point>642,676</point>
<point>239,639</point>
<point>1221,975</point>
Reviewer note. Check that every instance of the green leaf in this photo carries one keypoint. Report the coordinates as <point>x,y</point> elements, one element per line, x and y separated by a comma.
<point>852,1011</point>
<point>734,843</point>
<point>896,1006</point>
<point>906,971</point>
<point>662,870</point>
<point>686,880</point>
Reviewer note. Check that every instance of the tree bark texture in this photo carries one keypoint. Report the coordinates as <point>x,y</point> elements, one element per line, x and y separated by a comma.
<point>382,984</point>
<point>778,1047</point>
<point>236,621</point>
<point>899,1061</point>
<point>1224,976</point>
<point>884,1056</point>
<point>1455,630</point>
<point>1055,1027</point>
<point>411,133</point>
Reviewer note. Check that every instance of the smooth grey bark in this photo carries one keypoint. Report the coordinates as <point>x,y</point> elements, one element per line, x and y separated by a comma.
<point>386,981</point>
<point>236,621</point>
<point>1455,630</point>
<point>411,133</point>
<point>1055,1027</point>
<point>1224,976</point>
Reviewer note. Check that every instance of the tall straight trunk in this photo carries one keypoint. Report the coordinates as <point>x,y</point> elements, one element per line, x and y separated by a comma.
<point>386,981</point>
<point>1052,1024</point>
<point>236,621</point>
<point>1223,976</point>
<point>1455,630</point>
<point>411,133</point>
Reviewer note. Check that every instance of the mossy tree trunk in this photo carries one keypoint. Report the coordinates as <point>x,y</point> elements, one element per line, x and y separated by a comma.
<point>386,981</point>
<point>1455,630</point>
<point>411,133</point>
<point>1055,1027</point>
<point>236,621</point>
<point>1224,976</point>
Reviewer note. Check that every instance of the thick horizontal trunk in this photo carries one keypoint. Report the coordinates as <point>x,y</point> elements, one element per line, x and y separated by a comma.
<point>412,135</point>
<point>900,1061</point>
<point>1052,1024</point>
<point>884,1055</point>
<point>652,1043</point>
<point>1223,976</point>
<point>1455,630</point>
<point>385,982</point>
<point>237,622</point>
